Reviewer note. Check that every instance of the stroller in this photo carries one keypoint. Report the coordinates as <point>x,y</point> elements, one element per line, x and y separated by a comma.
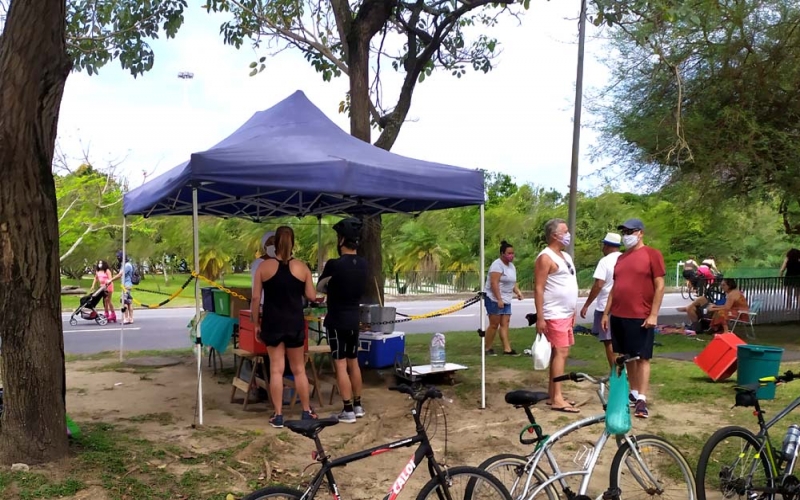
<point>86,309</point>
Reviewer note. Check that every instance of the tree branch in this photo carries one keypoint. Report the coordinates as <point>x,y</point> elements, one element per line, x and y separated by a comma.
<point>68,209</point>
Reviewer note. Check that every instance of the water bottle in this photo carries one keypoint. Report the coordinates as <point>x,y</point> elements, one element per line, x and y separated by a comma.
<point>790,447</point>
<point>437,352</point>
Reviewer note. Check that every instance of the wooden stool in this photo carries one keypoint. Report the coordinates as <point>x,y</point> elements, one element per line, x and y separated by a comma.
<point>248,385</point>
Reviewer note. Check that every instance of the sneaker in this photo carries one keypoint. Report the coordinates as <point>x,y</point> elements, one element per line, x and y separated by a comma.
<point>631,400</point>
<point>309,415</point>
<point>276,421</point>
<point>512,352</point>
<point>490,352</point>
<point>641,409</point>
<point>359,411</point>
<point>346,417</point>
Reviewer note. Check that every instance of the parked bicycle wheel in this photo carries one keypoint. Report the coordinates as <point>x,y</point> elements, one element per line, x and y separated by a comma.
<point>510,470</point>
<point>662,472</point>
<point>686,291</point>
<point>465,483</point>
<point>732,465</point>
<point>276,493</point>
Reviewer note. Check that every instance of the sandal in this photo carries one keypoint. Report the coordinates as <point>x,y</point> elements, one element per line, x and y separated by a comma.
<point>566,409</point>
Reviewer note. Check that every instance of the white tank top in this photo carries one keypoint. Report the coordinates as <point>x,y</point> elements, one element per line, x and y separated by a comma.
<point>561,289</point>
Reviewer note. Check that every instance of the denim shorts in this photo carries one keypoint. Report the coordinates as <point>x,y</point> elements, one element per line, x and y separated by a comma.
<point>492,309</point>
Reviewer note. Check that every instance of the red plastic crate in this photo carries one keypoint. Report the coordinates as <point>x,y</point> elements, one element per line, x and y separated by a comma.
<point>718,359</point>
<point>247,335</point>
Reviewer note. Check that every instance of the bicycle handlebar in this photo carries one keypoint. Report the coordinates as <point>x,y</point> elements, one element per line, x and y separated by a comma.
<point>420,394</point>
<point>580,377</point>
<point>778,379</point>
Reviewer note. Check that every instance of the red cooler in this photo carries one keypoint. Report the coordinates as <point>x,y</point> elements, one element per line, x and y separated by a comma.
<point>718,359</point>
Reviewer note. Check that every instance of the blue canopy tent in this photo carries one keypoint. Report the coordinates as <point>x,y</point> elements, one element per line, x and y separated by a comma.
<point>292,160</point>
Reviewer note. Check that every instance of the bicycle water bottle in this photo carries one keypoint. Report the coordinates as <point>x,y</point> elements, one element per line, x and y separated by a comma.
<point>790,447</point>
<point>437,352</point>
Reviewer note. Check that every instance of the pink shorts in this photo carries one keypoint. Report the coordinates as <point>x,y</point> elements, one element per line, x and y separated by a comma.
<point>559,332</point>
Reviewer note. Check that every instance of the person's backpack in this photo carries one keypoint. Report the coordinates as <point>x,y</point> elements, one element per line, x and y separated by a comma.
<point>136,277</point>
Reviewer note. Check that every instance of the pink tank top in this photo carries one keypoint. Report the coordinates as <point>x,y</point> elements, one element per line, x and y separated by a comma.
<point>102,278</point>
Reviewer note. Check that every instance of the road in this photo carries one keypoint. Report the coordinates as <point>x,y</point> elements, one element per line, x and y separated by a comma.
<point>166,328</point>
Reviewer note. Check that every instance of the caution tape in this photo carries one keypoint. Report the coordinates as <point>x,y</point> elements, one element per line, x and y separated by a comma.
<point>434,314</point>
<point>169,299</point>
<point>220,287</point>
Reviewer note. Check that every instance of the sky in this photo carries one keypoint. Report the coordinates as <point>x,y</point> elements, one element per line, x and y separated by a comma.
<point>517,119</point>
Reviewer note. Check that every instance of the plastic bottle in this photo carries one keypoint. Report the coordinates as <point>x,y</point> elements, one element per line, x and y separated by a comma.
<point>437,352</point>
<point>790,446</point>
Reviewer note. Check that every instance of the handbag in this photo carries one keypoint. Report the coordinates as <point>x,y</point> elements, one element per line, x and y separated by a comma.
<point>618,412</point>
<point>541,350</point>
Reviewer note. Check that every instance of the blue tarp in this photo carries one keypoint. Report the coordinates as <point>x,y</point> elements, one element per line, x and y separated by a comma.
<point>292,160</point>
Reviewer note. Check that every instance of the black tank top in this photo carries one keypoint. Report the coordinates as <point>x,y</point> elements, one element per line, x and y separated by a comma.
<point>282,311</point>
<point>793,268</point>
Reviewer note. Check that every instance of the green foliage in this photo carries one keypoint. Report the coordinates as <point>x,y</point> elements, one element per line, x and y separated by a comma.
<point>706,93</point>
<point>100,31</point>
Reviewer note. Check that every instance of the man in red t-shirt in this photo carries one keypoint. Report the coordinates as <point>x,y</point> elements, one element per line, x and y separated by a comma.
<point>632,308</point>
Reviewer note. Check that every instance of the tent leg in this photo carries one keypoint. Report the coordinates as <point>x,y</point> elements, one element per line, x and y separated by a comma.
<point>199,345</point>
<point>124,257</point>
<point>483,319</point>
<point>319,246</point>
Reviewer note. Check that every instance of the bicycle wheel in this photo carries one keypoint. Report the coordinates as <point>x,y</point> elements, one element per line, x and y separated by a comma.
<point>274,492</point>
<point>673,475</point>
<point>685,291</point>
<point>510,470</point>
<point>732,465</point>
<point>465,483</point>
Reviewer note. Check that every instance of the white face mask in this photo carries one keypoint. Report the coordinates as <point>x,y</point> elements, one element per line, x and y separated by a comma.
<point>630,240</point>
<point>271,251</point>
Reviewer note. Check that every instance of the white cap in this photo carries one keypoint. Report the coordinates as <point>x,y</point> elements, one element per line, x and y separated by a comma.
<point>613,239</point>
<point>266,236</point>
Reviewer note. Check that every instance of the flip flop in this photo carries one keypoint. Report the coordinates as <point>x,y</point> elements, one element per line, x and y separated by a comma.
<point>571,403</point>
<point>566,409</point>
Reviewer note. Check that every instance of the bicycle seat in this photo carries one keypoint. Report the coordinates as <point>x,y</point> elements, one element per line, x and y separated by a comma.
<point>522,397</point>
<point>310,428</point>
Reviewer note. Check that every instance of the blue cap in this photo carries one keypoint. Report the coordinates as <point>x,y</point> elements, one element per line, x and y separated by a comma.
<point>632,224</point>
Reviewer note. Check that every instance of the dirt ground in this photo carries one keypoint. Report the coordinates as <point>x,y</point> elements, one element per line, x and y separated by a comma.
<point>160,405</point>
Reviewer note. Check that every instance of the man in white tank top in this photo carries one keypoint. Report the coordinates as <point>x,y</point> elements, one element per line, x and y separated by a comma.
<point>556,298</point>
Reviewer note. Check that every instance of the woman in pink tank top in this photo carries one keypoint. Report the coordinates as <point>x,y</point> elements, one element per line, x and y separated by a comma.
<point>102,276</point>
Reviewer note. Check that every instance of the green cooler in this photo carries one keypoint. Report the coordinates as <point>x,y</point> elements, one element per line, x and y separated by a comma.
<point>756,361</point>
<point>222,303</point>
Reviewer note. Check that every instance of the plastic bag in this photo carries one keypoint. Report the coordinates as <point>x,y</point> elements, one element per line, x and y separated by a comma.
<point>541,352</point>
<point>618,412</point>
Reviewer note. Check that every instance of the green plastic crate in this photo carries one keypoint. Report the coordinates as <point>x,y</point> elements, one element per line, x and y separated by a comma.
<point>222,303</point>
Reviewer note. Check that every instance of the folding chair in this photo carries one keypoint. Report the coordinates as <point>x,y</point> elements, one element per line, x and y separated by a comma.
<point>751,317</point>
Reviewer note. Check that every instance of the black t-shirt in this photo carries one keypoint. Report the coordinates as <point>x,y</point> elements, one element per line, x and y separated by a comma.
<point>347,285</point>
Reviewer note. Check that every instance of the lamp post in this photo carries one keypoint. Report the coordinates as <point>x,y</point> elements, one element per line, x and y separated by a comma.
<point>576,131</point>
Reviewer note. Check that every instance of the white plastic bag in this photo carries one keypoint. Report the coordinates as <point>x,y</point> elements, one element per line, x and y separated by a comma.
<point>541,352</point>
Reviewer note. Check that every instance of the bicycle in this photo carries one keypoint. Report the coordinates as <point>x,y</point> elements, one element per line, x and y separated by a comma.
<point>754,469</point>
<point>443,479</point>
<point>529,480</point>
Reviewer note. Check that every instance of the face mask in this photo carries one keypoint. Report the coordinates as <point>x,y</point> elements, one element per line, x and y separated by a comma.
<point>271,251</point>
<point>630,240</point>
<point>510,258</point>
<point>566,239</point>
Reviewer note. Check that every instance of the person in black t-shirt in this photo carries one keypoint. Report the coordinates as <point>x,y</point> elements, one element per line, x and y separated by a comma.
<point>345,280</point>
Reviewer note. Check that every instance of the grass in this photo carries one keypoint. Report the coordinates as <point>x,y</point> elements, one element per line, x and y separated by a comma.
<point>144,290</point>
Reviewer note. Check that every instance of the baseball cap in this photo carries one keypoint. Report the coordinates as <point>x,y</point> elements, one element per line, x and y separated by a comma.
<point>613,239</point>
<point>266,236</point>
<point>632,224</point>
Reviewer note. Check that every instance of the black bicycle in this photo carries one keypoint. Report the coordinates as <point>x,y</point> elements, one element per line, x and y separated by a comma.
<point>462,483</point>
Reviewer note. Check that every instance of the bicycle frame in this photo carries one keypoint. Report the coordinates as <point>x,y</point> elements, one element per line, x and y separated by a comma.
<point>763,433</point>
<point>424,451</point>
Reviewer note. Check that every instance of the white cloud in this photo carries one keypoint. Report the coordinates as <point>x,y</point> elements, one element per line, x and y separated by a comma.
<point>517,119</point>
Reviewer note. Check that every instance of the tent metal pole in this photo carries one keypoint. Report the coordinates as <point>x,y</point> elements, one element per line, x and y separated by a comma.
<point>483,318</point>
<point>199,344</point>
<point>122,283</point>
<point>319,246</point>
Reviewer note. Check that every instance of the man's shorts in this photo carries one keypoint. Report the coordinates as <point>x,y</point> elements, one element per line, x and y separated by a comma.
<point>291,340</point>
<point>492,309</point>
<point>344,343</point>
<point>559,332</point>
<point>597,327</point>
<point>127,299</point>
<point>629,337</point>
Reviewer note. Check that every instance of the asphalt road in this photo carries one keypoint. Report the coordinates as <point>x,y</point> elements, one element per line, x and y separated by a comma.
<point>166,328</point>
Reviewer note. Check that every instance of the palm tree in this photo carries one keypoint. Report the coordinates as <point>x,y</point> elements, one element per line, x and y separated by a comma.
<point>215,250</point>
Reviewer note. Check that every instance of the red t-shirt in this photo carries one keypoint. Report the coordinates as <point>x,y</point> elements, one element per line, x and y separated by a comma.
<point>633,291</point>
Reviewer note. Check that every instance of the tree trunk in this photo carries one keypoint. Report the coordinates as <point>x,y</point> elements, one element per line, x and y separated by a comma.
<point>371,249</point>
<point>33,69</point>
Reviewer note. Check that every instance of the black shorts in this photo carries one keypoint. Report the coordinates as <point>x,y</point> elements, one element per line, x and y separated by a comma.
<point>291,340</point>
<point>629,337</point>
<point>344,343</point>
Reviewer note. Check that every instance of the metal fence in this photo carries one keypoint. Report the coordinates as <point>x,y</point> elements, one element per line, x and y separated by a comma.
<point>778,298</point>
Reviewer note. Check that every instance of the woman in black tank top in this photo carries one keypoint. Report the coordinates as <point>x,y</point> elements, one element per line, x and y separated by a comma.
<point>279,322</point>
<point>790,270</point>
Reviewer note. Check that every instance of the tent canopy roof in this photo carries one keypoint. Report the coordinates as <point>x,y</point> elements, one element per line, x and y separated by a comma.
<point>292,160</point>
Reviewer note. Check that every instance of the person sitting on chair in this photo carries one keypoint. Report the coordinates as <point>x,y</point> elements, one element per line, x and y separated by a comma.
<point>734,303</point>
